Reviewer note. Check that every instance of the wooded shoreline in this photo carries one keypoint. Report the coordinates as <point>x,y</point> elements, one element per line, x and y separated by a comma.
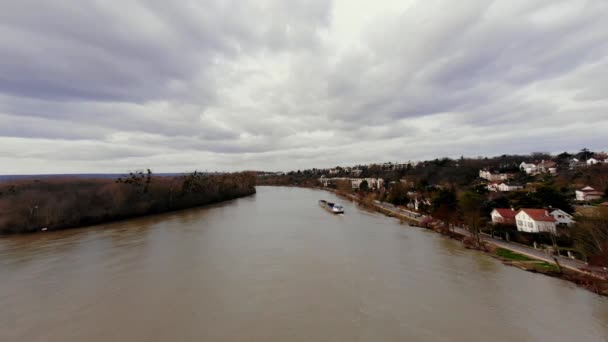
<point>33,205</point>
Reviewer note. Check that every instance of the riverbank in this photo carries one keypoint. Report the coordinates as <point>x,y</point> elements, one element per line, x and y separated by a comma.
<point>35,205</point>
<point>510,254</point>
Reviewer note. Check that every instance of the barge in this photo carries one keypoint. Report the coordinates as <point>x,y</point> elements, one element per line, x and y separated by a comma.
<point>332,207</point>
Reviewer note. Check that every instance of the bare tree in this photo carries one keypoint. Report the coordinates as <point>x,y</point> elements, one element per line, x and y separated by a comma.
<point>591,236</point>
<point>471,204</point>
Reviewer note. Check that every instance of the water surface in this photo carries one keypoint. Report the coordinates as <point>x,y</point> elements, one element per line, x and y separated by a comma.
<point>277,267</point>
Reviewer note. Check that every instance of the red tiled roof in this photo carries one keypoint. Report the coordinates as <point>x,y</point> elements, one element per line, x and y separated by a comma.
<point>538,215</point>
<point>506,212</point>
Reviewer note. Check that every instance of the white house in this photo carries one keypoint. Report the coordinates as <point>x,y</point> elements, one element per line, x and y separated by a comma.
<point>506,187</point>
<point>493,186</point>
<point>547,166</point>
<point>372,183</point>
<point>592,161</point>
<point>375,183</point>
<point>356,183</point>
<point>325,181</point>
<point>503,216</point>
<point>535,221</point>
<point>494,176</point>
<point>530,169</point>
<point>575,164</point>
<point>356,172</point>
<point>562,218</point>
<point>588,194</point>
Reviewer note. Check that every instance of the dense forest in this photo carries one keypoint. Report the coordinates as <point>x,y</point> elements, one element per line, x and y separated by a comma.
<point>58,203</point>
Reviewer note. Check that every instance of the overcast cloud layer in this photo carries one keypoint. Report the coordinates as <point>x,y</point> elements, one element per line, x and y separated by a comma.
<point>100,86</point>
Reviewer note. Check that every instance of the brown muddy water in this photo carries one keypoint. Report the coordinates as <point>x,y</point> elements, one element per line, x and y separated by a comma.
<point>277,267</point>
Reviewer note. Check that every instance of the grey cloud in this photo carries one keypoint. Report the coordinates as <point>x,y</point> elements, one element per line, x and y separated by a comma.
<point>442,65</point>
<point>29,127</point>
<point>292,84</point>
<point>136,51</point>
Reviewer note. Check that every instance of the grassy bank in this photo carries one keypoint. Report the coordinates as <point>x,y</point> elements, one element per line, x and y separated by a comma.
<point>510,255</point>
<point>59,203</point>
<point>525,262</point>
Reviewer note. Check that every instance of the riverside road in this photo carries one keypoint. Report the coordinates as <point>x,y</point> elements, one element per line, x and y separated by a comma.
<point>573,264</point>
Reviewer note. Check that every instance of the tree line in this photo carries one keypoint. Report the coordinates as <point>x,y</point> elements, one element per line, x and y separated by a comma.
<point>59,203</point>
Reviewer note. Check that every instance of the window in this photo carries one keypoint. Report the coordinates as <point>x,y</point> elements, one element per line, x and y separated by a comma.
<point>530,224</point>
<point>519,223</point>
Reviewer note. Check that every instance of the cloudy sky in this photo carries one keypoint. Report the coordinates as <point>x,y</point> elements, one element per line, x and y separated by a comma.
<point>98,86</point>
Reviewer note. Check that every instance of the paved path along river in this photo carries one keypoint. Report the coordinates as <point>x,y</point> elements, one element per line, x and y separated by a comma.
<point>575,265</point>
<point>277,267</point>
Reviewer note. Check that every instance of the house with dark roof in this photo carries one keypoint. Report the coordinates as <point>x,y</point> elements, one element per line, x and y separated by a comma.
<point>588,194</point>
<point>544,166</point>
<point>547,166</point>
<point>562,218</point>
<point>535,221</point>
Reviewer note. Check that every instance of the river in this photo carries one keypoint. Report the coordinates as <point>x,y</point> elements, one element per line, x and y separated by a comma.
<point>277,267</point>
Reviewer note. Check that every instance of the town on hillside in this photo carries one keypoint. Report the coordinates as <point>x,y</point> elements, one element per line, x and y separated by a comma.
<point>555,203</point>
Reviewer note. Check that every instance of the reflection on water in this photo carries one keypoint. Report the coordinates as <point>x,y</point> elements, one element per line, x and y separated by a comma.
<point>277,267</point>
